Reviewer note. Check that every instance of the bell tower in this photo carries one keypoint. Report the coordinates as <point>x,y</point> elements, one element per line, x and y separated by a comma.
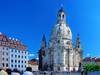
<point>78,41</point>
<point>42,53</point>
<point>43,43</point>
<point>78,54</point>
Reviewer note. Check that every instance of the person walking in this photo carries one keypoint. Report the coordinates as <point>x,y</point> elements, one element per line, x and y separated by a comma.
<point>8,70</point>
<point>3,71</point>
<point>15,72</point>
<point>28,71</point>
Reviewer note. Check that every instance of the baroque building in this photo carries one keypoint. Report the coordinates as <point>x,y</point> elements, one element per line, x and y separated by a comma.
<point>60,55</point>
<point>13,53</point>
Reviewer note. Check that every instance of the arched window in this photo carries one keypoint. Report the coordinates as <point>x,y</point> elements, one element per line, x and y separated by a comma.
<point>63,15</point>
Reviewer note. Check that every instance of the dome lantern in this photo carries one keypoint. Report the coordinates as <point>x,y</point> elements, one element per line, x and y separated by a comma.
<point>61,17</point>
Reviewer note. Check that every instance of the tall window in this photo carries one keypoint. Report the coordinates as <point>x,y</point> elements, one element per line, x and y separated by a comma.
<point>6,53</point>
<point>15,56</point>
<point>18,56</point>
<point>3,48</point>
<point>11,50</point>
<point>25,52</point>
<point>3,53</point>
<point>15,51</point>
<point>19,51</point>
<point>18,61</point>
<point>15,61</point>
<point>6,48</point>
<point>3,64</point>
<point>6,64</point>
<point>22,61</point>
<point>12,55</point>
<point>15,66</point>
<point>18,65</point>
<point>3,59</point>
<point>22,66</point>
<point>11,61</point>
<point>25,57</point>
<point>6,59</point>
<point>12,65</point>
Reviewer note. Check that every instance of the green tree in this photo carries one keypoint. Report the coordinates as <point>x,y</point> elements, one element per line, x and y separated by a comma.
<point>91,67</point>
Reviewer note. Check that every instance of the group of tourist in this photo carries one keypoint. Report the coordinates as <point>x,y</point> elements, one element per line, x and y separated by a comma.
<point>5,71</point>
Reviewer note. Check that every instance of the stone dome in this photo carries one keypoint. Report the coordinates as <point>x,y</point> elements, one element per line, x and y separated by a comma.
<point>61,30</point>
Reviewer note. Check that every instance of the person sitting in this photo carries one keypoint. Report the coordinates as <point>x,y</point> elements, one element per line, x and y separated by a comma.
<point>3,71</point>
<point>28,71</point>
<point>15,72</point>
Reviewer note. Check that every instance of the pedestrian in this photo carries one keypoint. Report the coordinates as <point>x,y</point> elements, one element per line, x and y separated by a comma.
<point>15,72</point>
<point>8,71</point>
<point>28,71</point>
<point>3,71</point>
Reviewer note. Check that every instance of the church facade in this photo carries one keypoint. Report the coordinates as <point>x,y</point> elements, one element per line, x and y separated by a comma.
<point>60,55</point>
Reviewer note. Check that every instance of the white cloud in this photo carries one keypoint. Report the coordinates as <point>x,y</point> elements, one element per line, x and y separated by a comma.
<point>37,58</point>
<point>88,55</point>
<point>31,55</point>
<point>99,56</point>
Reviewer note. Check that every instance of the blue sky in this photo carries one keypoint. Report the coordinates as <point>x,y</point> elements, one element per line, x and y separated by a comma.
<point>27,20</point>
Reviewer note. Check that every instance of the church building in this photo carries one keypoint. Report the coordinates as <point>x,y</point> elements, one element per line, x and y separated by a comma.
<point>60,54</point>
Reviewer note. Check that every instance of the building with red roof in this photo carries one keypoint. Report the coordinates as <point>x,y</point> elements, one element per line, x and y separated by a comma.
<point>13,54</point>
